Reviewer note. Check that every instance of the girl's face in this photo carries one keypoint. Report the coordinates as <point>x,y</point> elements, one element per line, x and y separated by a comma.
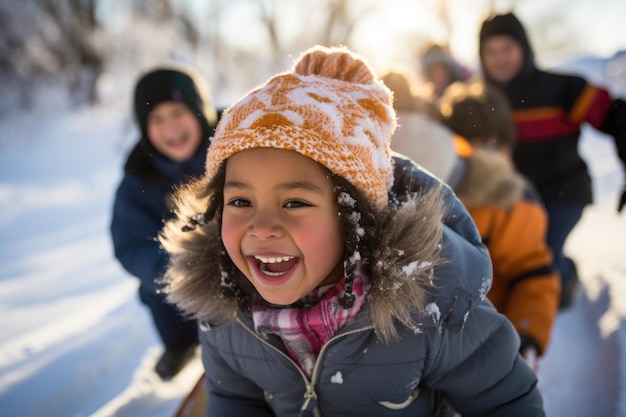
<point>502,57</point>
<point>280,224</point>
<point>174,130</point>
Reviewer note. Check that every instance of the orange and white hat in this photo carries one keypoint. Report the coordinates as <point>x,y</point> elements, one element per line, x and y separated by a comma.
<point>329,107</point>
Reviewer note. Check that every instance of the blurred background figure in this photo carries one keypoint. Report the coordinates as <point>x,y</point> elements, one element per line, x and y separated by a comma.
<point>481,115</point>
<point>419,131</point>
<point>507,211</point>
<point>548,110</point>
<point>439,69</point>
<point>175,117</point>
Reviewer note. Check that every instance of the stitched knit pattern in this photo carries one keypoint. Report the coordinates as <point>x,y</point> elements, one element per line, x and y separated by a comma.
<point>330,107</point>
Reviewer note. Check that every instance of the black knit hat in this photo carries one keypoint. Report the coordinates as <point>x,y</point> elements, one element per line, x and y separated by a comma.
<point>172,84</point>
<point>508,25</point>
<point>504,24</point>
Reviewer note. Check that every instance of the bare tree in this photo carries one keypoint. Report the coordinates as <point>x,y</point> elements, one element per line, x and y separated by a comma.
<point>270,21</point>
<point>343,17</point>
<point>160,11</point>
<point>51,39</point>
<point>63,40</point>
<point>75,44</point>
<point>22,55</point>
<point>339,19</point>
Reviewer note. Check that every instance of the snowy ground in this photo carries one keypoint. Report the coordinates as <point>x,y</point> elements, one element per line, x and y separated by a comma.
<point>75,341</point>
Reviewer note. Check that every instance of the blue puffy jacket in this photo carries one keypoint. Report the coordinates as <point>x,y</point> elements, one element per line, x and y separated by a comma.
<point>460,350</point>
<point>142,204</point>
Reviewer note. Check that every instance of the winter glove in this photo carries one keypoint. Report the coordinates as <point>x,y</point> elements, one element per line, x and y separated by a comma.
<point>622,200</point>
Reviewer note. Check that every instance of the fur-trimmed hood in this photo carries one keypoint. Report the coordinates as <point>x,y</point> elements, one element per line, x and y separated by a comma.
<point>400,281</point>
<point>434,260</point>
<point>490,179</point>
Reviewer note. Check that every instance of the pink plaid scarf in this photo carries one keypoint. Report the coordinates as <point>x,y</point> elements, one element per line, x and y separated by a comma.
<point>305,330</point>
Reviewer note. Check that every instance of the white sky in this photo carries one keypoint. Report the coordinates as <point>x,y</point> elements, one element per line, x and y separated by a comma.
<point>599,26</point>
<point>596,26</point>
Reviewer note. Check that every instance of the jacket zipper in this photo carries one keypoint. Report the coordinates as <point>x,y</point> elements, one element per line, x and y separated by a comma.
<point>310,397</point>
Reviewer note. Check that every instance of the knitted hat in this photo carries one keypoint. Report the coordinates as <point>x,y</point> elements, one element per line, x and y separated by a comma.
<point>173,83</point>
<point>504,24</point>
<point>330,107</point>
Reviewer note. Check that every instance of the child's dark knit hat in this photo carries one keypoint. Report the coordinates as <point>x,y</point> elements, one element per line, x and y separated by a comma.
<point>504,24</point>
<point>173,83</point>
<point>330,107</point>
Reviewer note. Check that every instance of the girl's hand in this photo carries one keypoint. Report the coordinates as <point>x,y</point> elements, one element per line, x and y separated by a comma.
<point>531,357</point>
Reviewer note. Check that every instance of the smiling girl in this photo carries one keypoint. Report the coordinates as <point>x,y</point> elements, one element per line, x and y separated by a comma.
<point>324,285</point>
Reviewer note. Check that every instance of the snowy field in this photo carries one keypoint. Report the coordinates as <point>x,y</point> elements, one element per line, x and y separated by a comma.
<point>75,340</point>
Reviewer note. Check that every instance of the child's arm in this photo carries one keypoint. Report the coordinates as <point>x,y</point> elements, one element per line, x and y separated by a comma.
<point>230,393</point>
<point>526,284</point>
<point>590,103</point>
<point>134,228</point>
<point>479,370</point>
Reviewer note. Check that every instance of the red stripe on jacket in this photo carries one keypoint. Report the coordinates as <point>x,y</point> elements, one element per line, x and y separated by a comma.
<point>591,107</point>
<point>543,123</point>
<point>548,123</point>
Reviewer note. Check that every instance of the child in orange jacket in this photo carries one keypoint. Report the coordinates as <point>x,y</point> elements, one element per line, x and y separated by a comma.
<point>506,209</point>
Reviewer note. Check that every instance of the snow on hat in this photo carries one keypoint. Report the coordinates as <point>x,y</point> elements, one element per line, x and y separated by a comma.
<point>329,107</point>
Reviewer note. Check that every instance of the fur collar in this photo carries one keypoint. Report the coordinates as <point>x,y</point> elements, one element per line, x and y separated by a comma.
<point>490,180</point>
<point>409,249</point>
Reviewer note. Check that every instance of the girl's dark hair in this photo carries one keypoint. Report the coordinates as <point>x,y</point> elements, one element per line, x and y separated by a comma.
<point>359,219</point>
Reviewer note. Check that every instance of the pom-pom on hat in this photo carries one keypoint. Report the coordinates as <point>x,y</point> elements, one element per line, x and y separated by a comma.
<point>330,107</point>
